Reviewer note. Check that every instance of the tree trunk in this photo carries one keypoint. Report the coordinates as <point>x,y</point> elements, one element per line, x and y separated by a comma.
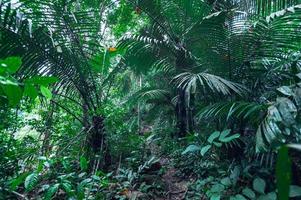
<point>181,111</point>
<point>185,105</point>
<point>98,142</point>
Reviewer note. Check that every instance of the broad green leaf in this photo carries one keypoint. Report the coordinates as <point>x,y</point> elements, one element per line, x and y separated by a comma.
<point>217,188</point>
<point>215,197</point>
<point>11,64</point>
<point>226,181</point>
<point>31,181</point>
<point>30,91</point>
<point>213,136</point>
<point>13,93</point>
<point>249,193</point>
<point>205,149</point>
<point>83,163</point>
<point>191,148</point>
<point>283,173</point>
<point>285,90</point>
<point>272,196</point>
<point>294,191</point>
<point>288,111</point>
<point>51,191</point>
<point>259,185</point>
<point>46,92</point>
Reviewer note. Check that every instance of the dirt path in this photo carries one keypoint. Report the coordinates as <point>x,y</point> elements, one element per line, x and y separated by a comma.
<point>176,188</point>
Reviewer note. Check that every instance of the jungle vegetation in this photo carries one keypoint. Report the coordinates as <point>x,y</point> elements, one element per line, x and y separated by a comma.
<point>150,99</point>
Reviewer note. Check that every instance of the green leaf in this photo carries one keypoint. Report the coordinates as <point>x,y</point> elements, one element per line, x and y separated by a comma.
<point>46,92</point>
<point>259,185</point>
<point>41,80</point>
<point>215,197</point>
<point>8,81</point>
<point>294,191</point>
<point>249,193</point>
<point>225,133</point>
<point>226,181</point>
<point>11,64</point>
<point>81,188</point>
<point>17,181</point>
<point>239,197</point>
<point>285,90</point>
<point>223,137</point>
<point>83,163</point>
<point>213,136</point>
<point>217,188</point>
<point>283,173</point>
<point>235,174</point>
<point>13,93</point>
<point>191,148</point>
<point>205,149</point>
<point>270,196</point>
<point>67,187</point>
<point>30,91</point>
<point>51,191</point>
<point>218,144</point>
<point>31,181</point>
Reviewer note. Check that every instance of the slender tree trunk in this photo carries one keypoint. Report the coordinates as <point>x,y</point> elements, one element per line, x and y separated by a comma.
<point>185,105</point>
<point>181,111</point>
<point>139,109</point>
<point>190,113</point>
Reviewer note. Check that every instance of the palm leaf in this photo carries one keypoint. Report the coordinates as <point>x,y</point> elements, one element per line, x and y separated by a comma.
<point>190,81</point>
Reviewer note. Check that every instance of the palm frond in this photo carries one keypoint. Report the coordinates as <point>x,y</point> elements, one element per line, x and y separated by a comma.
<point>190,81</point>
<point>151,95</point>
<point>226,110</point>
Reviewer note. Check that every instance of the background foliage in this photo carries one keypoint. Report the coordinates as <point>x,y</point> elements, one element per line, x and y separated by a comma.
<point>150,99</point>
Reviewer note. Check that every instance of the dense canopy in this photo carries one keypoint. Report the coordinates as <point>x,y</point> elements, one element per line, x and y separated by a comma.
<point>150,99</point>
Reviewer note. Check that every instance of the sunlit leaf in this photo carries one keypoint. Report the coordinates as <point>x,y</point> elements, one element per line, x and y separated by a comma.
<point>46,92</point>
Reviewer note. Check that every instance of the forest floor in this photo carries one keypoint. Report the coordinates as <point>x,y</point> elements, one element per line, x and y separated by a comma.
<point>175,187</point>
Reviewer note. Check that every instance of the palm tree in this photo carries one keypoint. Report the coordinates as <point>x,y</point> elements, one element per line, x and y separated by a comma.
<point>61,39</point>
<point>182,41</point>
<point>254,43</point>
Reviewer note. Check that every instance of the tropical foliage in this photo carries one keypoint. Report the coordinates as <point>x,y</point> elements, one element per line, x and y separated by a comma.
<point>150,99</point>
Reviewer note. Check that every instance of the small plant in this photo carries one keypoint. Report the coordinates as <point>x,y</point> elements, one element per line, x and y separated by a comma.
<point>216,139</point>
